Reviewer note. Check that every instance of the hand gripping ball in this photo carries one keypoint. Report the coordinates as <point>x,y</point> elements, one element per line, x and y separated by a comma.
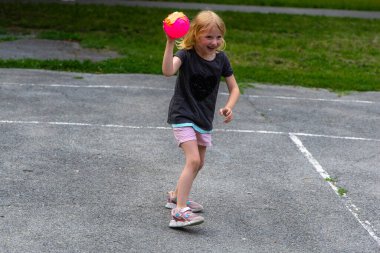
<point>176,25</point>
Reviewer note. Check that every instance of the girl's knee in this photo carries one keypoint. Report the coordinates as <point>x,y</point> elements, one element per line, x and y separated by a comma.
<point>195,163</point>
<point>201,164</point>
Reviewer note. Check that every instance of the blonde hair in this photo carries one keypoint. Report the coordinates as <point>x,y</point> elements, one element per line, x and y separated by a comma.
<point>203,21</point>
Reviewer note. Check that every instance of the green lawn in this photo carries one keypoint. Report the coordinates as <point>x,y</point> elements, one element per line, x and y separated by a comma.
<point>340,54</point>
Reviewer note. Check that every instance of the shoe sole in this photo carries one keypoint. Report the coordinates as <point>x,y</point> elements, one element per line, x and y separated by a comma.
<point>181,224</point>
<point>172,206</point>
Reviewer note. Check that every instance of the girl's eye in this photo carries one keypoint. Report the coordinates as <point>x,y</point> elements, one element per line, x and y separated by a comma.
<point>210,37</point>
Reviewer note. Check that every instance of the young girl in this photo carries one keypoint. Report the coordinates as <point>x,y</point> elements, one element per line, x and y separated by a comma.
<point>200,63</point>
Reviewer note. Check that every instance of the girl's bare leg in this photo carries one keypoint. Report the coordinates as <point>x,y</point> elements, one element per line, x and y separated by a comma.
<point>202,154</point>
<point>192,165</point>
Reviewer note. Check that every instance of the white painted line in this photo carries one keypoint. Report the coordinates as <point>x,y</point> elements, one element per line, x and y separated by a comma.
<point>248,131</point>
<point>22,122</point>
<point>88,86</point>
<point>79,124</point>
<point>171,89</point>
<point>312,160</point>
<point>313,99</point>
<point>335,137</point>
<point>297,134</point>
<point>354,210</point>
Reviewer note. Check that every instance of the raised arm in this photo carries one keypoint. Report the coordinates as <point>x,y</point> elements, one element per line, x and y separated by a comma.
<point>170,64</point>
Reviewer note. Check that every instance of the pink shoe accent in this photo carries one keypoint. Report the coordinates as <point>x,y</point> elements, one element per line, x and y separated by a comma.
<point>184,217</point>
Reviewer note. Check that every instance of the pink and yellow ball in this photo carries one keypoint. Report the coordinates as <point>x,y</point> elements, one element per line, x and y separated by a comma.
<point>176,25</point>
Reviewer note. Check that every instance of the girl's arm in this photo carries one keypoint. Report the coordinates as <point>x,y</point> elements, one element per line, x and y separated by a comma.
<point>170,64</point>
<point>234,91</point>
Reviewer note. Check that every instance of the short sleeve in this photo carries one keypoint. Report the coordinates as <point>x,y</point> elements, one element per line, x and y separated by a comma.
<point>181,54</point>
<point>227,69</point>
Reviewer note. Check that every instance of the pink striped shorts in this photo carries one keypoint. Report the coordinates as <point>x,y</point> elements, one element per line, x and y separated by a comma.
<point>183,134</point>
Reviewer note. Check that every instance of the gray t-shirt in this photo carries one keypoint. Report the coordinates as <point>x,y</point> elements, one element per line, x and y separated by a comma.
<point>196,89</point>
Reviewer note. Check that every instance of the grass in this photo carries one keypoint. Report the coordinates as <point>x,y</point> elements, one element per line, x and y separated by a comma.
<point>371,5</point>
<point>332,180</point>
<point>339,54</point>
<point>340,190</point>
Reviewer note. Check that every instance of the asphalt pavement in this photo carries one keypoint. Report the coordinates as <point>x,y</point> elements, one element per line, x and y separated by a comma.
<point>86,161</point>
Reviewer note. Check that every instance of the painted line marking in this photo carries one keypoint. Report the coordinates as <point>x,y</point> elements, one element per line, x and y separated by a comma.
<point>171,89</point>
<point>79,124</point>
<point>311,99</point>
<point>58,123</point>
<point>354,210</point>
<point>335,137</point>
<point>87,86</point>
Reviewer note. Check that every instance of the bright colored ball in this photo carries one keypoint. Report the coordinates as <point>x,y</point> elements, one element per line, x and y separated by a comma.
<point>176,25</point>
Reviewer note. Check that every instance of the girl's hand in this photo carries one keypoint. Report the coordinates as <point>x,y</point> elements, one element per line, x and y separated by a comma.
<point>227,113</point>
<point>170,39</point>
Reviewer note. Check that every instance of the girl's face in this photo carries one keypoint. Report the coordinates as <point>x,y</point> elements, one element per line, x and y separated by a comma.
<point>209,41</point>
